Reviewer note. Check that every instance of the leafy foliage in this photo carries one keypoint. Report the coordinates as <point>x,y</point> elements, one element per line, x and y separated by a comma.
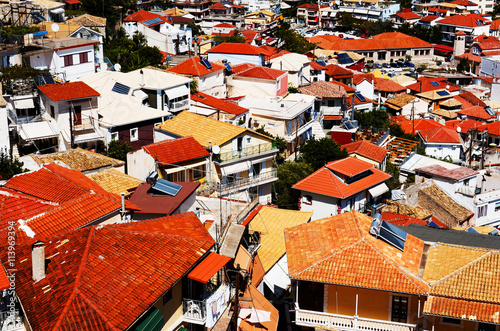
<point>10,167</point>
<point>111,9</point>
<point>290,173</point>
<point>195,29</point>
<point>235,38</point>
<point>292,41</point>
<point>17,72</point>
<point>319,152</point>
<point>118,150</point>
<point>293,89</point>
<point>375,119</point>
<point>133,53</point>
<point>432,35</point>
<point>463,65</point>
<point>14,30</point>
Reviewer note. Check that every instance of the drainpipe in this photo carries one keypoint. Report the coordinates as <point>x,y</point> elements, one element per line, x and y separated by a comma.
<point>123,203</point>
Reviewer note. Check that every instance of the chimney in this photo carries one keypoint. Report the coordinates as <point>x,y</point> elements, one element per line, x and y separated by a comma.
<point>38,261</point>
<point>123,202</point>
<point>482,184</point>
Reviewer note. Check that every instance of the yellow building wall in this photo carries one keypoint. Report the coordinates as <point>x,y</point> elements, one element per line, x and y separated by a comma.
<point>436,323</point>
<point>256,140</point>
<point>172,310</point>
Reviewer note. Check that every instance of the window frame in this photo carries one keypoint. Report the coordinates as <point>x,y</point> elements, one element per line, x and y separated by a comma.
<point>85,56</point>
<point>115,136</point>
<point>68,60</point>
<point>134,137</point>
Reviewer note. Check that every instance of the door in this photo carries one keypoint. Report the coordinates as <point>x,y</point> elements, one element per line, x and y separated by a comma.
<point>399,311</point>
<point>78,115</point>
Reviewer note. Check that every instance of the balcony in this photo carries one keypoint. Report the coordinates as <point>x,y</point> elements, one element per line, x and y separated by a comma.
<point>310,318</point>
<point>178,106</point>
<point>244,152</point>
<point>289,137</point>
<point>195,311</point>
<point>10,322</point>
<point>268,175</point>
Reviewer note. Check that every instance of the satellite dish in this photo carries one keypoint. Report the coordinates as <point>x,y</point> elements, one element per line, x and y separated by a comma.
<point>216,149</point>
<point>118,67</point>
<point>459,129</point>
<point>54,27</point>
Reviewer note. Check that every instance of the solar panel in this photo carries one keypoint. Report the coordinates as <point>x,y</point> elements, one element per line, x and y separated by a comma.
<point>321,62</point>
<point>360,97</point>
<point>228,67</point>
<point>120,88</point>
<point>443,93</point>
<point>349,125</point>
<point>42,80</point>
<point>393,235</point>
<point>432,224</point>
<point>471,230</point>
<point>166,187</point>
<point>490,111</point>
<point>434,83</point>
<point>344,58</point>
<point>207,64</point>
<point>153,21</point>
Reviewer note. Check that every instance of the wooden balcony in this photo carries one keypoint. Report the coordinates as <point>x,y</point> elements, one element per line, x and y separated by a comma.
<point>310,318</point>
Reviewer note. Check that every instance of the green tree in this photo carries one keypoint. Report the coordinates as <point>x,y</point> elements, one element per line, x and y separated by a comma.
<point>292,41</point>
<point>347,20</point>
<point>290,173</point>
<point>374,119</point>
<point>319,152</point>
<point>10,167</point>
<point>118,150</point>
<point>463,65</point>
<point>236,38</point>
<point>195,29</point>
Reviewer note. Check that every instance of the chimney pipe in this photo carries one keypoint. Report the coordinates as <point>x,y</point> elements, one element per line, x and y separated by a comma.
<point>123,202</point>
<point>38,261</point>
<point>482,184</point>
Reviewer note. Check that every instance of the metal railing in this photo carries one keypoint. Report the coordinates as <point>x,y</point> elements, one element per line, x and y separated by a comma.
<point>243,214</point>
<point>194,310</point>
<point>252,180</point>
<point>244,152</point>
<point>313,319</point>
<point>179,104</point>
<point>9,322</point>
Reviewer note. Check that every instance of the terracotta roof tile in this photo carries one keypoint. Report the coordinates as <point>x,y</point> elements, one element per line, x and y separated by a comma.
<point>420,124</point>
<point>387,85</point>
<point>68,91</point>
<point>429,18</point>
<point>470,20</point>
<point>476,112</point>
<point>115,181</point>
<point>468,99</point>
<point>233,48</point>
<point>440,198</point>
<point>347,88</point>
<point>366,149</point>
<point>408,15</point>
<point>141,16</point>
<point>440,135</point>
<point>425,84</point>
<point>456,174</point>
<point>324,182</point>
<point>88,20</point>
<point>104,279</point>
<point>218,104</point>
<point>462,309</point>
<point>173,151</point>
<point>194,67</point>
<point>261,73</point>
<point>271,222</point>
<point>359,78</point>
<point>15,206</point>
<point>339,250</point>
<point>465,125</point>
<point>337,71</point>
<point>493,128</point>
<point>321,89</point>
<point>78,159</point>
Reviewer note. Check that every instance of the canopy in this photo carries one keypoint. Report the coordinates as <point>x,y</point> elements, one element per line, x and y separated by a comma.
<point>378,190</point>
<point>177,92</point>
<point>253,315</point>
<point>24,104</point>
<point>208,267</point>
<point>37,130</point>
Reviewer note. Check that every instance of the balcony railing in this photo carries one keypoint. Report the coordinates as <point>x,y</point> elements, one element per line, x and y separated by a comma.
<point>252,180</point>
<point>194,311</point>
<point>312,319</point>
<point>9,322</point>
<point>244,152</point>
<point>179,105</point>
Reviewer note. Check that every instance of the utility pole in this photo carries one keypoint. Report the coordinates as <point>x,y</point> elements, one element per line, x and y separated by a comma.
<point>470,146</point>
<point>236,301</point>
<point>413,116</point>
<point>484,136</point>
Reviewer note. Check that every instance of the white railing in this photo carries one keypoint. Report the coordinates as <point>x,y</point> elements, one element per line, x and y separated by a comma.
<point>9,322</point>
<point>313,318</point>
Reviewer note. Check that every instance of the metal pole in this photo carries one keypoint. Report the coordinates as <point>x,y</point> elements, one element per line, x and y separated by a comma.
<point>470,146</point>
<point>236,301</point>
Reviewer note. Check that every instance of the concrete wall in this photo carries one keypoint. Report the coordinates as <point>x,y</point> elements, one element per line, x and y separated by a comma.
<point>235,59</point>
<point>140,164</point>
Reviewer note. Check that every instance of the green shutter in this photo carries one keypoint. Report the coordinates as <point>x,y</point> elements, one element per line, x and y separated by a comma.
<point>153,322</point>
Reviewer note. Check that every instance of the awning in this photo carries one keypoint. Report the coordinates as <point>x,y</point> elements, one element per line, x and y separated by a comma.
<point>154,321</point>
<point>140,94</point>
<point>4,281</point>
<point>183,168</point>
<point>37,130</point>
<point>253,315</point>
<point>72,2</point>
<point>177,92</point>
<point>57,10</point>
<point>82,137</point>
<point>208,267</point>
<point>235,168</point>
<point>276,278</point>
<point>24,104</point>
<point>378,190</point>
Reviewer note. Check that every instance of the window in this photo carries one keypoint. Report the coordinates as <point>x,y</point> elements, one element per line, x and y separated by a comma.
<point>68,60</point>
<point>399,311</point>
<point>482,211</point>
<point>486,327</point>
<point>278,85</point>
<point>307,199</point>
<point>84,57</point>
<point>451,320</point>
<point>114,136</point>
<point>167,297</point>
<point>198,172</point>
<point>78,115</point>
<point>134,134</point>
<point>51,111</point>
<point>270,125</point>
<point>497,206</point>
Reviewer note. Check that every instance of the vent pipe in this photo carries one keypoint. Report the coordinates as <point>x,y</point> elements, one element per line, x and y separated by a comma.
<point>38,261</point>
<point>123,202</point>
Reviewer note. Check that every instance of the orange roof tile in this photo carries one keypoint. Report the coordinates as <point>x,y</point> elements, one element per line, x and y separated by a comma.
<point>208,267</point>
<point>468,99</point>
<point>347,88</point>
<point>261,73</point>
<point>387,85</point>
<point>322,89</point>
<point>4,281</point>
<point>405,220</point>
<point>425,84</point>
<point>470,20</point>
<point>465,125</point>
<point>218,5</point>
<point>476,112</point>
<point>462,309</point>
<point>68,91</point>
<point>337,71</point>
<point>194,67</point>
<point>359,78</point>
<point>173,151</point>
<point>420,124</point>
<point>429,18</point>
<point>340,250</point>
<point>261,303</point>
<point>234,48</point>
<point>470,57</point>
<point>105,279</point>
<point>15,206</point>
<point>323,181</point>
<point>440,135</point>
<point>493,128</point>
<point>408,15</point>
<point>366,149</point>
<point>141,16</point>
<point>219,104</point>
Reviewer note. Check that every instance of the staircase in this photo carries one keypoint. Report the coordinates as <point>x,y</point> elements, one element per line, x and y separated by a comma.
<point>317,130</point>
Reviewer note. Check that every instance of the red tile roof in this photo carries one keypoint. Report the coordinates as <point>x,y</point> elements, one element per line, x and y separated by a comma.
<point>476,112</point>
<point>273,52</point>
<point>261,73</point>
<point>346,87</point>
<point>141,16</point>
<point>465,125</point>
<point>337,71</point>
<point>224,25</point>
<point>234,48</point>
<point>316,66</point>
<point>15,206</point>
<point>440,135</point>
<point>312,7</point>
<point>470,20</point>
<point>208,267</point>
<point>408,15</point>
<point>468,99</point>
<point>340,250</point>
<point>173,151</point>
<point>456,174</point>
<point>359,78</point>
<point>429,18</point>
<point>236,69</point>
<point>219,104</point>
<point>105,279</point>
<point>495,24</point>
<point>387,85</point>
<point>387,40</point>
<point>194,67</point>
<point>437,10</point>
<point>406,220</point>
<point>366,149</point>
<point>4,281</point>
<point>218,5</point>
<point>157,204</point>
<point>425,84</point>
<point>68,91</point>
<point>470,57</point>
<point>250,35</point>
<point>493,128</point>
<point>420,124</point>
<point>324,182</point>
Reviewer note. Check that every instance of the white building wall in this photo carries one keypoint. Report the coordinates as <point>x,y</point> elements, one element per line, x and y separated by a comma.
<point>366,89</point>
<point>444,150</point>
<point>140,164</point>
<point>4,132</point>
<point>323,206</point>
<point>252,87</point>
<point>421,107</point>
<point>213,84</point>
<point>235,59</point>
